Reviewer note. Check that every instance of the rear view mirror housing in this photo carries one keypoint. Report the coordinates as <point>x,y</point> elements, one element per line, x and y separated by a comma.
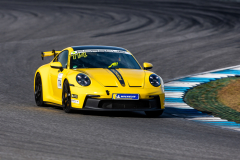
<point>56,65</point>
<point>147,66</point>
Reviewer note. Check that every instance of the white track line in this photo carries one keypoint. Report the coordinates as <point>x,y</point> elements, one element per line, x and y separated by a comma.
<point>213,75</point>
<point>182,84</point>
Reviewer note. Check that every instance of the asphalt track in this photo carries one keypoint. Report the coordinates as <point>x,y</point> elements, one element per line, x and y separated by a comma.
<point>179,37</point>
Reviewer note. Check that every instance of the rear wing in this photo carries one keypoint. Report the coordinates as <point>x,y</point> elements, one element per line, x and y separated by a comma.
<point>49,53</point>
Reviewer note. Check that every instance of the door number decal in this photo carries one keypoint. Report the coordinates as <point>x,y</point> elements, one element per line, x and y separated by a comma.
<point>59,80</point>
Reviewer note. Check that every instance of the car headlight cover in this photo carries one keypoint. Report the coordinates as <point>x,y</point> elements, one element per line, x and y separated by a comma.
<point>83,79</point>
<point>154,80</point>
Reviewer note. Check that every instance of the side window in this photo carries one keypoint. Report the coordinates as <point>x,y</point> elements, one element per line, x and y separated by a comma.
<point>63,58</point>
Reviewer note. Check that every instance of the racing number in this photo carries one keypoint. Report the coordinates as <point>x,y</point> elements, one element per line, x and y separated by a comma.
<point>59,80</point>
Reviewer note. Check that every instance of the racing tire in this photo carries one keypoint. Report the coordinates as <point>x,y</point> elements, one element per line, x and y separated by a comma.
<point>38,91</point>
<point>66,97</point>
<point>154,114</point>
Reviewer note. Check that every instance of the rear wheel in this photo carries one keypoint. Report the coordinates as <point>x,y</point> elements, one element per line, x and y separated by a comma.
<point>66,97</point>
<point>38,90</point>
<point>154,113</point>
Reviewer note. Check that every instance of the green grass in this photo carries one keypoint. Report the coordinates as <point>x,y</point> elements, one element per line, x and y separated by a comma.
<point>204,98</point>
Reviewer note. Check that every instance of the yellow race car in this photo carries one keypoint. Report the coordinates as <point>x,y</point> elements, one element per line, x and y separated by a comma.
<point>102,78</point>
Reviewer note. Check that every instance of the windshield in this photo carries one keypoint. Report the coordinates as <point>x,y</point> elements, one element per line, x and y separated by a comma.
<point>103,59</point>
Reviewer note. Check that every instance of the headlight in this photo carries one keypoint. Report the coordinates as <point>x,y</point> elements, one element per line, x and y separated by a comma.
<point>154,80</point>
<point>162,84</point>
<point>83,79</point>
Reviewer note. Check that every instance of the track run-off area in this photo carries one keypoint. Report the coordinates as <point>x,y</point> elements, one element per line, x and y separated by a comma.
<point>179,37</point>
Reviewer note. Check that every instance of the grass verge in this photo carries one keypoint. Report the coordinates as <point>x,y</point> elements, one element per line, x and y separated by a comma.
<point>230,95</point>
<point>205,98</point>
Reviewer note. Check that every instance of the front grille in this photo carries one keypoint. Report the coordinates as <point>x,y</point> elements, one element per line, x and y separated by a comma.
<point>140,104</point>
<point>124,104</point>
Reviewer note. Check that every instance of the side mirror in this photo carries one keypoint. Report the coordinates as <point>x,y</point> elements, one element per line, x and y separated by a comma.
<point>56,65</point>
<point>147,66</point>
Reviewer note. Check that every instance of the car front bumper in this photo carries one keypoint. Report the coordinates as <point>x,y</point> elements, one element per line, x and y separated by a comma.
<point>99,99</point>
<point>94,103</point>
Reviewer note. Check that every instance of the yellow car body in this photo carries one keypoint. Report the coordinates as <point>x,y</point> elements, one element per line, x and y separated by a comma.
<point>55,83</point>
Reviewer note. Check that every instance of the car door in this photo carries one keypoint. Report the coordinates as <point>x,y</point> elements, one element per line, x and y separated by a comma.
<point>56,76</point>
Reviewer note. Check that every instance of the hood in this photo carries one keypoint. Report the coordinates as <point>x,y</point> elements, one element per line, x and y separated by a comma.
<point>131,77</point>
<point>134,77</point>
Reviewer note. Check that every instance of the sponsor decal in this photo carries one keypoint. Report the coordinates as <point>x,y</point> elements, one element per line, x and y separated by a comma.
<point>79,55</point>
<point>119,76</point>
<point>59,80</point>
<point>75,101</point>
<point>117,96</point>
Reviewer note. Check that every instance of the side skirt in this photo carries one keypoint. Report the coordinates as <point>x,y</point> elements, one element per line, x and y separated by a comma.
<point>52,104</point>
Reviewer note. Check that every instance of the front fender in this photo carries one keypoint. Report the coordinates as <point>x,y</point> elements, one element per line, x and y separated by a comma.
<point>82,91</point>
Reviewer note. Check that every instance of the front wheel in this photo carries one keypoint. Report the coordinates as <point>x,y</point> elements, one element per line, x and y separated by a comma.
<point>66,97</point>
<point>154,113</point>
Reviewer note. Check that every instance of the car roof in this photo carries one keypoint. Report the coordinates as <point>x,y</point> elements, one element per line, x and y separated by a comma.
<point>97,47</point>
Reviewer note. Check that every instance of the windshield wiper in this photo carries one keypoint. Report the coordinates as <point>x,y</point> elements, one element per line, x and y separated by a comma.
<point>112,68</point>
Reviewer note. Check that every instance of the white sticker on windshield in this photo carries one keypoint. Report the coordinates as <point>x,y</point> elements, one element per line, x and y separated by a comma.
<point>73,52</point>
<point>59,80</point>
<point>99,50</point>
